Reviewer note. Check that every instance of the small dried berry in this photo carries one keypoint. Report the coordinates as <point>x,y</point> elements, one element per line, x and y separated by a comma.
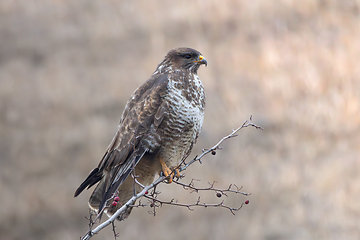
<point>151,205</point>
<point>218,194</point>
<point>213,152</point>
<point>116,199</point>
<point>146,192</point>
<point>114,203</point>
<point>247,202</point>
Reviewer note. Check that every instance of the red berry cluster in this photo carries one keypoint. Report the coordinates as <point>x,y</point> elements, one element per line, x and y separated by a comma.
<point>115,202</point>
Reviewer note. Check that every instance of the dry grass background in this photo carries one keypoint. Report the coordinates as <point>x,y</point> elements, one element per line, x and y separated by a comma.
<point>67,69</point>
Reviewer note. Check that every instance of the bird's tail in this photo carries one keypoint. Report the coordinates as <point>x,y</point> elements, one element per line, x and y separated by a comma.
<point>94,176</point>
<point>125,191</point>
<point>97,195</point>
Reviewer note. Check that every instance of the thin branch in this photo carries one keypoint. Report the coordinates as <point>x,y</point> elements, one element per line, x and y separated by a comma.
<point>212,188</point>
<point>132,200</point>
<point>145,190</point>
<point>114,230</point>
<point>197,204</point>
<point>212,150</point>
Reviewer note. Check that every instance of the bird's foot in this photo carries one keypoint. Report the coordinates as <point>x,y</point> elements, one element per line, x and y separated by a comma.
<point>169,173</point>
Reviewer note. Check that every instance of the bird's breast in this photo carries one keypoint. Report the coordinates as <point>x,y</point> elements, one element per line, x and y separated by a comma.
<point>184,118</point>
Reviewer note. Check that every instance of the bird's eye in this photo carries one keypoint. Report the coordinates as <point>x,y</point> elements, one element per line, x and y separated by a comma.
<point>187,56</point>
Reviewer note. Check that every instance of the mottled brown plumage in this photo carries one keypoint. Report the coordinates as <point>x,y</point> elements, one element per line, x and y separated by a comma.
<point>159,125</point>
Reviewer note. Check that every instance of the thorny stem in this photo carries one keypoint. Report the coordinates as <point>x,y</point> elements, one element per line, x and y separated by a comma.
<point>211,188</point>
<point>197,204</point>
<point>247,123</point>
<point>132,200</point>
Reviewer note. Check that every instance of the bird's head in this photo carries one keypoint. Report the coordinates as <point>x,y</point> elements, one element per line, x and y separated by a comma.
<point>182,58</point>
<point>186,58</point>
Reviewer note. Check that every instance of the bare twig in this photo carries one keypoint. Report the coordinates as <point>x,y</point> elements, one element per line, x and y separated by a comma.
<point>212,150</point>
<point>132,200</point>
<point>114,230</point>
<point>197,204</point>
<point>211,188</point>
<point>153,196</point>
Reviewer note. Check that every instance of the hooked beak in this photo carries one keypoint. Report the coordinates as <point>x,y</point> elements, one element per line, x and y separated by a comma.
<point>201,60</point>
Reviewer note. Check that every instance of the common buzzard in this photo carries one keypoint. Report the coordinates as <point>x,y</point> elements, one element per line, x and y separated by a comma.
<point>158,128</point>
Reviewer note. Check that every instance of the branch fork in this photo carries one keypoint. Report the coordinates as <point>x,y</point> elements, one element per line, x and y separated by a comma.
<point>155,202</point>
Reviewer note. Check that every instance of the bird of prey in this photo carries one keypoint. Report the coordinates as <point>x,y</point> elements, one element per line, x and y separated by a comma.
<point>158,128</point>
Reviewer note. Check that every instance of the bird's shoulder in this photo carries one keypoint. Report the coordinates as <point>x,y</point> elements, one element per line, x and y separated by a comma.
<point>146,97</point>
<point>143,113</point>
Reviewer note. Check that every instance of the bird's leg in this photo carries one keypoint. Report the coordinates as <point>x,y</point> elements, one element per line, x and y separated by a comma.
<point>167,171</point>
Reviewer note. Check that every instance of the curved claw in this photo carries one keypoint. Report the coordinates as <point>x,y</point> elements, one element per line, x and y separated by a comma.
<point>169,173</point>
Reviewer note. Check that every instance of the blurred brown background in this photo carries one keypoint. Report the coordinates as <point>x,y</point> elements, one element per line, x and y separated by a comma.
<point>67,69</point>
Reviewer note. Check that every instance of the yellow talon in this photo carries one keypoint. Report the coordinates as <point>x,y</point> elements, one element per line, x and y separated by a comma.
<point>169,173</point>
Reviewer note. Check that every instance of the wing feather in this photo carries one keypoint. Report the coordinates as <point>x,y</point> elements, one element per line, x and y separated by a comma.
<point>135,136</point>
